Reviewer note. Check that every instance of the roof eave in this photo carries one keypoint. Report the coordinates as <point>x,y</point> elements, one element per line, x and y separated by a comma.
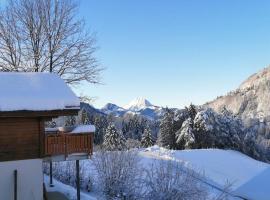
<point>47,113</point>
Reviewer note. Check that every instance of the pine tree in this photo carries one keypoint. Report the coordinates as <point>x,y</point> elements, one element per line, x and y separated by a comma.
<point>185,138</point>
<point>204,128</point>
<point>192,111</point>
<point>84,117</point>
<point>70,121</point>
<point>147,139</point>
<point>101,124</point>
<point>166,136</point>
<point>250,146</point>
<point>113,139</point>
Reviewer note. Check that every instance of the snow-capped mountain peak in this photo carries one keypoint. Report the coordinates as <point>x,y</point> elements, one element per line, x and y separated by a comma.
<point>138,104</point>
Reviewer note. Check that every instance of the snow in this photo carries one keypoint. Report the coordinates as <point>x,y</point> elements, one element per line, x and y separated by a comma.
<point>51,129</point>
<point>138,104</point>
<point>77,129</point>
<point>67,190</point>
<point>35,92</point>
<point>256,79</point>
<point>249,178</point>
<point>84,129</point>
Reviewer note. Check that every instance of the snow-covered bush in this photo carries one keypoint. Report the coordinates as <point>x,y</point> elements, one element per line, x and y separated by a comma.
<point>168,180</point>
<point>118,174</point>
<point>66,173</point>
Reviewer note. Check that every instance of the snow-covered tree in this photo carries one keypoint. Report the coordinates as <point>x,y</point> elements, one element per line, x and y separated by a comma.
<point>113,139</point>
<point>223,130</point>
<point>133,126</point>
<point>84,117</point>
<point>249,142</point>
<point>101,124</point>
<point>166,136</point>
<point>70,121</point>
<point>204,128</point>
<point>192,111</point>
<point>185,138</point>
<point>230,130</point>
<point>147,138</point>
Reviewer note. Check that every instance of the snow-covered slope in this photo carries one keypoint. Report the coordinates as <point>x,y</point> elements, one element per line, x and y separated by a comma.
<point>256,79</point>
<point>251,99</point>
<point>248,178</point>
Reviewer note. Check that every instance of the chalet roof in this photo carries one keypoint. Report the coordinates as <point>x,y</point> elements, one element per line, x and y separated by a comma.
<point>35,92</point>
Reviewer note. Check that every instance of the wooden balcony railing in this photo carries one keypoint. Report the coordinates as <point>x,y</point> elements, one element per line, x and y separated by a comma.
<point>67,143</point>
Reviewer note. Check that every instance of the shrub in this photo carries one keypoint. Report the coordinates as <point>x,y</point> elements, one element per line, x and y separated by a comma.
<point>168,180</point>
<point>118,174</point>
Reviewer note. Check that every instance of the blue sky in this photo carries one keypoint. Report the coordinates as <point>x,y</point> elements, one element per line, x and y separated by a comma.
<point>174,52</point>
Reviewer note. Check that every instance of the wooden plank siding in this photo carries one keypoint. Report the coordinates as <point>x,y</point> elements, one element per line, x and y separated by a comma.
<point>25,138</point>
<point>20,138</point>
<point>66,143</point>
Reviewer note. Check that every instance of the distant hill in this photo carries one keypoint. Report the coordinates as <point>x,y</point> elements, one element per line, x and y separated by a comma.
<point>250,100</point>
<point>91,109</point>
<point>111,108</point>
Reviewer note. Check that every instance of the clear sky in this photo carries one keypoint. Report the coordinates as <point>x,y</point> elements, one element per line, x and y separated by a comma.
<point>174,52</point>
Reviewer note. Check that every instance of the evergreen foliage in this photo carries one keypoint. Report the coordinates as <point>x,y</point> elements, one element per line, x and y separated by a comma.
<point>113,139</point>
<point>84,117</point>
<point>147,138</point>
<point>192,111</point>
<point>185,138</point>
<point>101,124</point>
<point>166,136</point>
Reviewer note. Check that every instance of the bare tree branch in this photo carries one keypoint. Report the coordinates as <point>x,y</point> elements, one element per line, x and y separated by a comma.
<point>47,36</point>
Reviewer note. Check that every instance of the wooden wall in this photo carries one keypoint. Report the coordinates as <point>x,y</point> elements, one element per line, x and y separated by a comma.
<point>20,138</point>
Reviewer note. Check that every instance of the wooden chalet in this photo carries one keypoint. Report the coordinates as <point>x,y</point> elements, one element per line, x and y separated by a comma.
<point>27,101</point>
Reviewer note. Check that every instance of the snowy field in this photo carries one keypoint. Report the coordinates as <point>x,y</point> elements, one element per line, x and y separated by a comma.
<point>248,178</point>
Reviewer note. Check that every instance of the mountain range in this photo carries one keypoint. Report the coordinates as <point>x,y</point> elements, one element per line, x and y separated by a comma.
<point>251,100</point>
<point>139,106</point>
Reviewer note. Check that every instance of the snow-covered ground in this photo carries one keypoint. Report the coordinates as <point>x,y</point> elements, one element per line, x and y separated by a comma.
<point>248,178</point>
<point>69,191</point>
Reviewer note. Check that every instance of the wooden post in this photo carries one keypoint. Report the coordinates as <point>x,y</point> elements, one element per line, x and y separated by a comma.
<point>15,184</point>
<point>78,179</point>
<point>51,178</point>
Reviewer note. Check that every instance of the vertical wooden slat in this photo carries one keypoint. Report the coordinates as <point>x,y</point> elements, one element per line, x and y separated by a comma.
<point>68,143</point>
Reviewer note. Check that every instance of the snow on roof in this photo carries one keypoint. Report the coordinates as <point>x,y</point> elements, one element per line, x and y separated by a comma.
<point>35,92</point>
<point>84,129</point>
